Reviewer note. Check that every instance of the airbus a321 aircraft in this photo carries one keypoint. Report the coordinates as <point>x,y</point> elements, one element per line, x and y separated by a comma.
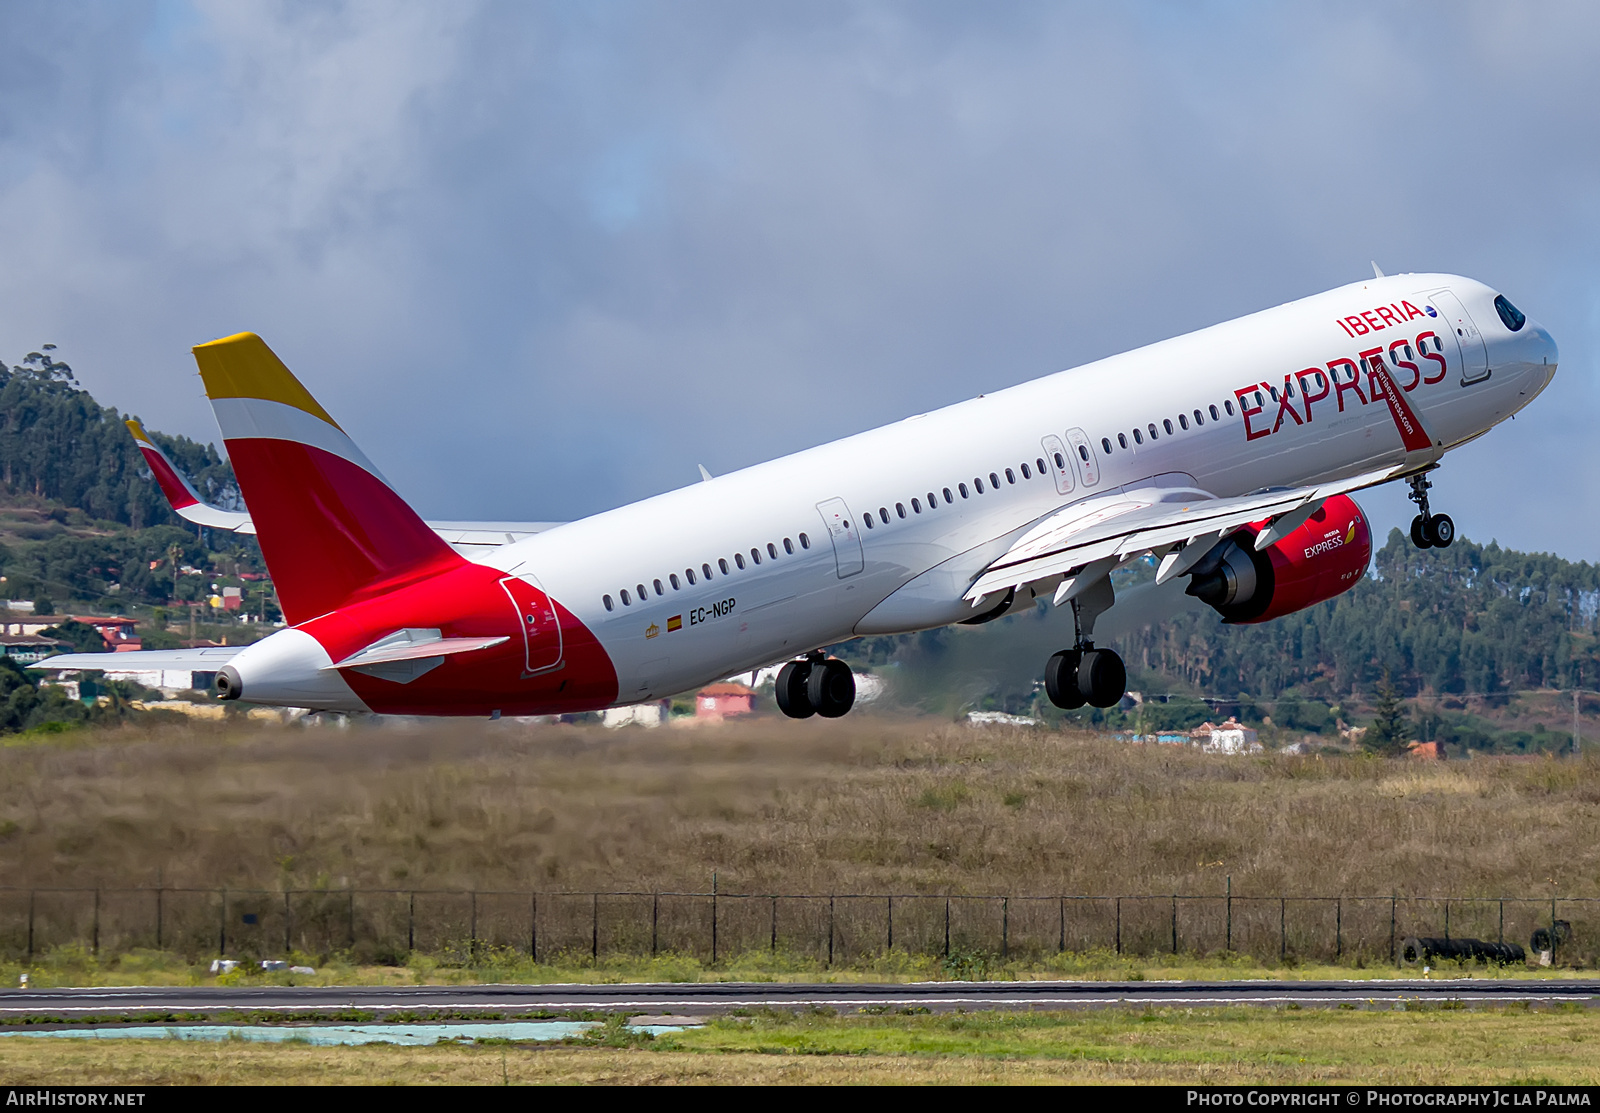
<point>1229,454</point>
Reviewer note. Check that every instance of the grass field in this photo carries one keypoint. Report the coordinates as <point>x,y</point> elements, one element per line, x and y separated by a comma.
<point>1218,1046</point>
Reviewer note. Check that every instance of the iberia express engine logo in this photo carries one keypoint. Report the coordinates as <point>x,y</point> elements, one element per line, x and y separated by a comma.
<point>1333,539</point>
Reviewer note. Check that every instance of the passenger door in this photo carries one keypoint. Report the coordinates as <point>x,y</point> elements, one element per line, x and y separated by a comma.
<point>541,625</point>
<point>1055,458</point>
<point>1474,356</point>
<point>845,535</point>
<point>1088,466</point>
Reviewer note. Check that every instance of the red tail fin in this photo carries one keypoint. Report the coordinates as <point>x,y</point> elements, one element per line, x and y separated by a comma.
<point>331,528</point>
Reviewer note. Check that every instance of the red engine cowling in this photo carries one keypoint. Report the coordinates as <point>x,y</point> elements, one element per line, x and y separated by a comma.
<point>1321,559</point>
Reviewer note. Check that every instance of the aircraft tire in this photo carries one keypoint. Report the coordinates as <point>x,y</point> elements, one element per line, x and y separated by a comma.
<point>1102,678</point>
<point>831,688</point>
<point>1419,533</point>
<point>1061,680</point>
<point>1441,530</point>
<point>791,690</point>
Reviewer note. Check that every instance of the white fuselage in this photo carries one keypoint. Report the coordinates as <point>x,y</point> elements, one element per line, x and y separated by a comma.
<point>854,576</point>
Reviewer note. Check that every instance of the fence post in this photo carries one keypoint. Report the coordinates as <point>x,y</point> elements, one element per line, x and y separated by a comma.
<point>1393,902</point>
<point>533,928</point>
<point>774,925</point>
<point>1174,923</point>
<point>891,924</point>
<point>830,929</point>
<point>946,927</point>
<point>594,928</point>
<point>1119,925</point>
<point>158,917</point>
<point>472,930</point>
<point>1005,927</point>
<point>411,922</point>
<point>1283,928</point>
<point>1552,929</point>
<point>1229,946</point>
<point>96,950</point>
<point>1502,936</point>
<point>350,914</point>
<point>1338,927</point>
<point>655,923</point>
<point>288,925</point>
<point>713,919</point>
<point>222,927</point>
<point>1061,938</point>
<point>31,894</point>
<point>1447,919</point>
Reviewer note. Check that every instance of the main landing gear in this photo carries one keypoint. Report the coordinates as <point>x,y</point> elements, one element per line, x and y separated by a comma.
<point>1428,530</point>
<point>1083,674</point>
<point>816,685</point>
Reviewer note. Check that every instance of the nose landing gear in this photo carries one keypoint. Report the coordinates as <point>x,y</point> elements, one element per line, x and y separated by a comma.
<point>1428,530</point>
<point>816,685</point>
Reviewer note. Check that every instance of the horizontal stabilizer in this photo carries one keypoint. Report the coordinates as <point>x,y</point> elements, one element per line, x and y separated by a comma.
<point>413,645</point>
<point>203,659</point>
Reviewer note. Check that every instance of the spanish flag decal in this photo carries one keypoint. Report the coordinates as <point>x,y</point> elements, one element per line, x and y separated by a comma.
<point>675,623</point>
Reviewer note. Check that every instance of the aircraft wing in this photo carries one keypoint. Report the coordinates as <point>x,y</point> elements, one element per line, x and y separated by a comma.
<point>204,659</point>
<point>465,538</point>
<point>1150,518</point>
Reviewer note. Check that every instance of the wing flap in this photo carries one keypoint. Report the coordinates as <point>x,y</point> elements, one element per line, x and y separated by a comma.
<point>1129,522</point>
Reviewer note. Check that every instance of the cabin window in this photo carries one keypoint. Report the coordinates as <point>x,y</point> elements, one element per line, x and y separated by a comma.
<point>706,568</point>
<point>1011,476</point>
<point>1039,465</point>
<point>1166,423</point>
<point>947,497</point>
<point>1262,401</point>
<point>1228,405</point>
<point>626,602</point>
<point>900,509</point>
<point>1105,443</point>
<point>932,502</point>
<point>978,485</point>
<point>673,580</point>
<point>1137,438</point>
<point>1183,422</point>
<point>643,594</point>
<point>657,584</point>
<point>805,542</point>
<point>755,555</point>
<point>689,572</point>
<point>738,560</point>
<point>1154,432</point>
<point>1199,418</point>
<point>722,563</point>
<point>962,487</point>
<point>994,480</point>
<point>606,599</point>
<point>772,550</point>
<point>1026,474</point>
<point>788,546</point>
<point>1083,453</point>
<point>916,507</point>
<point>1122,439</point>
<point>866,517</point>
<point>1215,416</point>
<point>1060,463</point>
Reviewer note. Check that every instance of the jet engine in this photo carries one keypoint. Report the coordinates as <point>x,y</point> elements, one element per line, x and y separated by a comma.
<point>1323,558</point>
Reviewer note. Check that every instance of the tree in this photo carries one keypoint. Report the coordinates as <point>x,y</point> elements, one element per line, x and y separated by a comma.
<point>1391,726</point>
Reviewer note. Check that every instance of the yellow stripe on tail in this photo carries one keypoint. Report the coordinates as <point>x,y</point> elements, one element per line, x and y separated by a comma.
<point>242,366</point>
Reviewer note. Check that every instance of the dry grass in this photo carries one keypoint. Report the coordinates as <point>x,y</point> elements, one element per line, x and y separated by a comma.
<point>868,805</point>
<point>1168,1046</point>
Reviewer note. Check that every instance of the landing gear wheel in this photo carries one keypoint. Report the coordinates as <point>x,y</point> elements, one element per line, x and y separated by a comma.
<point>1419,533</point>
<point>831,688</point>
<point>791,690</point>
<point>1061,679</point>
<point>1102,678</point>
<point>1440,531</point>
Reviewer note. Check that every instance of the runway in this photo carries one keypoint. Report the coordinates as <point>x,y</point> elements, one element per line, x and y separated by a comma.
<point>711,998</point>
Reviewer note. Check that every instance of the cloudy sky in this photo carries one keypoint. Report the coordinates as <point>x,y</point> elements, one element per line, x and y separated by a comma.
<point>544,258</point>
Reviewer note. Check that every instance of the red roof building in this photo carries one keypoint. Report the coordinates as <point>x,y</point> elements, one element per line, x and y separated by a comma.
<point>719,701</point>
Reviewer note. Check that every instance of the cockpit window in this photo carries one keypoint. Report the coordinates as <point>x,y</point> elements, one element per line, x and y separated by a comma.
<point>1510,314</point>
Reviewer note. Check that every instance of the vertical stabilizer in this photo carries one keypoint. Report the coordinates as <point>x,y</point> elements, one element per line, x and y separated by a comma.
<point>330,526</point>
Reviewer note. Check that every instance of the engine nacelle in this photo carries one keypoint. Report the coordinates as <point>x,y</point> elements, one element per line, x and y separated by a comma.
<point>1326,556</point>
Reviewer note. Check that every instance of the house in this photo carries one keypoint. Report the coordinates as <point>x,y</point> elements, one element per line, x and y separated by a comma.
<point>1228,737</point>
<point>1424,751</point>
<point>720,701</point>
<point>28,649</point>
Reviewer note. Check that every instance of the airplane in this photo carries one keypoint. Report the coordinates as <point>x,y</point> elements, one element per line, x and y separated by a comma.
<point>1229,455</point>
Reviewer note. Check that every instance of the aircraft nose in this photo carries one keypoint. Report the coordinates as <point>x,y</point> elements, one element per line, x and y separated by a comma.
<point>1539,347</point>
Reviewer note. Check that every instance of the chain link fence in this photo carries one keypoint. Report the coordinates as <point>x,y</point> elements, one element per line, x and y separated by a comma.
<point>387,925</point>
